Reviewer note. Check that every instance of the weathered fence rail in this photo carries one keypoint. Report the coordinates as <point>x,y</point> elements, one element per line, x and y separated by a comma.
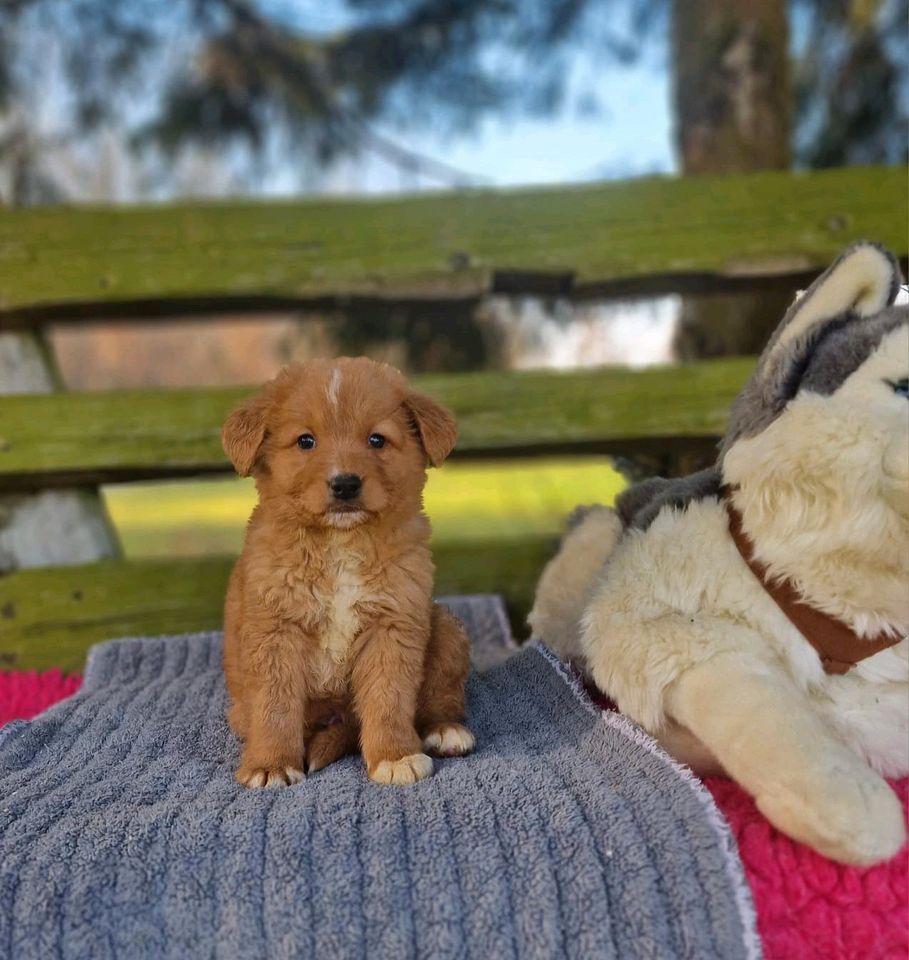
<point>50,617</point>
<point>654,235</point>
<point>109,437</point>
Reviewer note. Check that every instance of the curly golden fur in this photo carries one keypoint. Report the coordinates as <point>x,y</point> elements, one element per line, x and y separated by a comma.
<point>332,640</point>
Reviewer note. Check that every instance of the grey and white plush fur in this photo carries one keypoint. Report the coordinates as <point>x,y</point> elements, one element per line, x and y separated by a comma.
<point>654,601</point>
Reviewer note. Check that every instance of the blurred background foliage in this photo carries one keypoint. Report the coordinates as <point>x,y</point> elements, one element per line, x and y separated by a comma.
<point>239,87</point>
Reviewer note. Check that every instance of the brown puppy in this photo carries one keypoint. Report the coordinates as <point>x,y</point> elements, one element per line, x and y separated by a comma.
<point>331,637</point>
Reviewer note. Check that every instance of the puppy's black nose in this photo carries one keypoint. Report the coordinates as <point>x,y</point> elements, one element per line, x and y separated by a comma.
<point>345,486</point>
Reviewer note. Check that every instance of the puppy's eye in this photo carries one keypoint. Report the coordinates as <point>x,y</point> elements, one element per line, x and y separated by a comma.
<point>376,440</point>
<point>306,442</point>
<point>901,387</point>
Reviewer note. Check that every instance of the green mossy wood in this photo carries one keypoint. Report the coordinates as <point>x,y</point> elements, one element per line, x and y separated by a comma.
<point>95,437</point>
<point>655,230</point>
<point>50,617</point>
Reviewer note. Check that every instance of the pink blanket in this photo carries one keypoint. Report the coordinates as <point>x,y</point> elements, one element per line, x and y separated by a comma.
<point>808,907</point>
<point>25,693</point>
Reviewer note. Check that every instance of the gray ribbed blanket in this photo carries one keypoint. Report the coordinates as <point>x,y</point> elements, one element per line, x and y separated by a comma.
<point>567,834</point>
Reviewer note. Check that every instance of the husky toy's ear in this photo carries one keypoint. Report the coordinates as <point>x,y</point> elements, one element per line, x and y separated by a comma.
<point>864,280</point>
<point>861,283</point>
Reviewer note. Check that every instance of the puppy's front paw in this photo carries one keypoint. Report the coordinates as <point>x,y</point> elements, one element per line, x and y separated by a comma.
<point>407,770</point>
<point>449,740</point>
<point>282,776</point>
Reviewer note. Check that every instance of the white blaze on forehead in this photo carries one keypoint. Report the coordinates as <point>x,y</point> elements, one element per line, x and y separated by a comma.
<point>334,385</point>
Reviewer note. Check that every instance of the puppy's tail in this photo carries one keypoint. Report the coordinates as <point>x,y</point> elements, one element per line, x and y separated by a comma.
<point>569,579</point>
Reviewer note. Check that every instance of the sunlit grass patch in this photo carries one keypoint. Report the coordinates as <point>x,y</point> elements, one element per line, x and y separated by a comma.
<point>466,501</point>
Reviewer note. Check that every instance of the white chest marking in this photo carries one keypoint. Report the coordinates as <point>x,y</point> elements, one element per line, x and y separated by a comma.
<point>339,624</point>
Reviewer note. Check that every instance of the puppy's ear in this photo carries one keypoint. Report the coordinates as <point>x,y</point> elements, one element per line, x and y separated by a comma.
<point>435,425</point>
<point>243,433</point>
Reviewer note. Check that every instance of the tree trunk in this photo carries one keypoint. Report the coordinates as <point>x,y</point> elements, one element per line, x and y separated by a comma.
<point>732,103</point>
<point>50,527</point>
<point>731,89</point>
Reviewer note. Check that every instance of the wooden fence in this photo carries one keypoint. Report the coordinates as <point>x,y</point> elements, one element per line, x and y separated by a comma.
<point>646,237</point>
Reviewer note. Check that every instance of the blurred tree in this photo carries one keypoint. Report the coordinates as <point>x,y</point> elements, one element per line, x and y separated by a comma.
<point>732,101</point>
<point>274,78</point>
<point>731,91</point>
<point>852,83</point>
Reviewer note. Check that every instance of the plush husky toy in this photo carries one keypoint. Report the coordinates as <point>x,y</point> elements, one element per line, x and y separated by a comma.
<point>754,617</point>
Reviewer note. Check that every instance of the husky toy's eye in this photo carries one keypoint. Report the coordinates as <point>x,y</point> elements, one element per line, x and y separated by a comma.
<point>376,440</point>
<point>306,442</point>
<point>901,387</point>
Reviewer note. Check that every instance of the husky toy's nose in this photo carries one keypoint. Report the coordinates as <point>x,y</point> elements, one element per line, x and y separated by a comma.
<point>345,486</point>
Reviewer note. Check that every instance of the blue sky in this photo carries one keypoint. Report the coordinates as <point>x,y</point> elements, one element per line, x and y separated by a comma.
<point>630,135</point>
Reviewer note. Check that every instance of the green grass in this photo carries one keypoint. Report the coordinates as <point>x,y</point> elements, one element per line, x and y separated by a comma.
<point>467,502</point>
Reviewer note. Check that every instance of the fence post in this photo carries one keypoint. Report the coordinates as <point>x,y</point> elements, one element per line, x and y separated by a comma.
<point>48,527</point>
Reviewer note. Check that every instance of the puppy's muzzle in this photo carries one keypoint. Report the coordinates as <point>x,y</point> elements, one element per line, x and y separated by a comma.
<point>345,486</point>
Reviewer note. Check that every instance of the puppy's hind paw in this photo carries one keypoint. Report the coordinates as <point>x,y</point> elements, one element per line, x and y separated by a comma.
<point>403,772</point>
<point>269,776</point>
<point>449,740</point>
<point>328,745</point>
